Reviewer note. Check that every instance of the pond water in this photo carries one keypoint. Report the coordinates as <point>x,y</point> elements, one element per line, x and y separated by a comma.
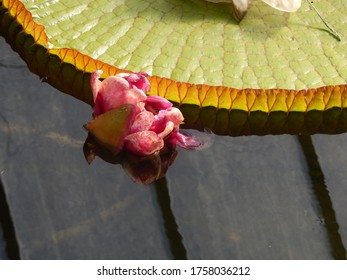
<point>270,197</point>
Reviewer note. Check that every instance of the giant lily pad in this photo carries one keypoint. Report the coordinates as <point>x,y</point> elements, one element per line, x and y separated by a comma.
<point>198,42</point>
<point>197,55</point>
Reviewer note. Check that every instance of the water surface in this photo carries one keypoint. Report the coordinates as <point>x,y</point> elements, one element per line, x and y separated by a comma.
<point>243,198</point>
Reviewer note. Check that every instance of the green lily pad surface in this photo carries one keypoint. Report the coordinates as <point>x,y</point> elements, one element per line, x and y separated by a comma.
<point>199,42</point>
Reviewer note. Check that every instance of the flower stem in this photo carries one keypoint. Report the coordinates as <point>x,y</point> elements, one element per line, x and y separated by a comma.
<point>331,29</point>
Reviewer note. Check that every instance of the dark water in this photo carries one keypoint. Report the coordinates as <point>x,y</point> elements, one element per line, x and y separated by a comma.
<point>272,197</point>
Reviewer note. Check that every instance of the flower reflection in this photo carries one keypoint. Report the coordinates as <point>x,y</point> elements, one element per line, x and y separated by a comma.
<point>141,169</point>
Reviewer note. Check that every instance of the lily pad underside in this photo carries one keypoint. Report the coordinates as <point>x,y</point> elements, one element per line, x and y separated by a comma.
<point>272,73</point>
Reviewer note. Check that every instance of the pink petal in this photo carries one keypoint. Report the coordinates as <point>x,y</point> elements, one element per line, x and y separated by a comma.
<point>137,80</point>
<point>109,95</point>
<point>114,92</point>
<point>143,121</point>
<point>187,142</point>
<point>144,143</point>
<point>157,103</point>
<point>172,114</point>
<point>200,140</point>
<point>95,83</point>
<point>169,127</point>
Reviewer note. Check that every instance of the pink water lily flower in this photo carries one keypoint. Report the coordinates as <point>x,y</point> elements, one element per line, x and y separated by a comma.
<point>155,122</point>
